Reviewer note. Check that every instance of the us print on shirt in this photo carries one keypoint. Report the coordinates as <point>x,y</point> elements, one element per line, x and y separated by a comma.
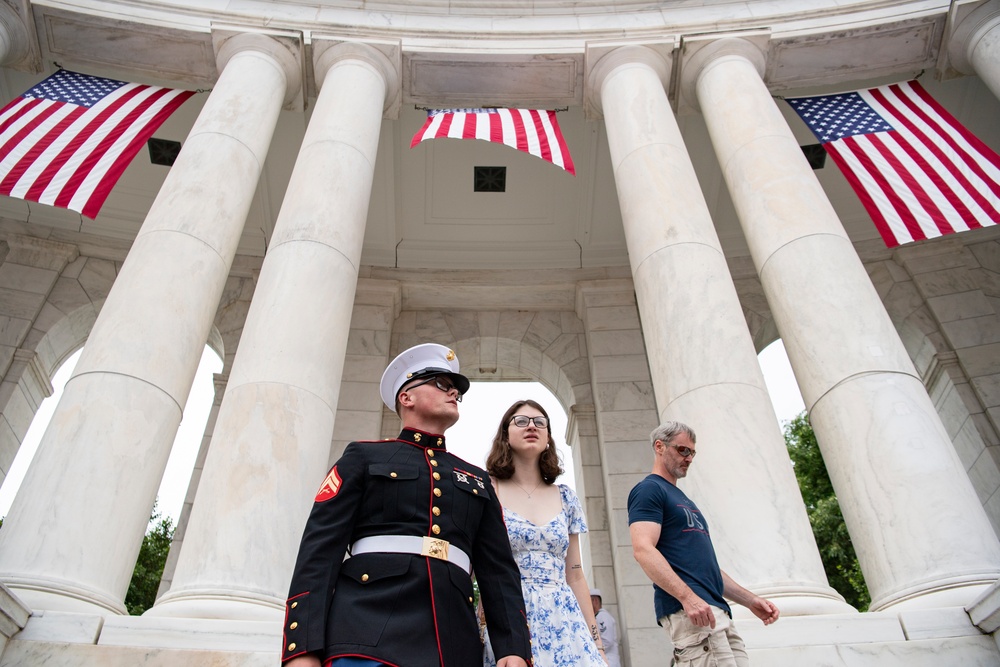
<point>693,522</point>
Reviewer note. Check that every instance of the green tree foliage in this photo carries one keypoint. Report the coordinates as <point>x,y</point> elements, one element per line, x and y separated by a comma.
<point>835,547</point>
<point>149,568</point>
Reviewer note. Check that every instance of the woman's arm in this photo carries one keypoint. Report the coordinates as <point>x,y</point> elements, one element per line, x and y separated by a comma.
<point>578,584</point>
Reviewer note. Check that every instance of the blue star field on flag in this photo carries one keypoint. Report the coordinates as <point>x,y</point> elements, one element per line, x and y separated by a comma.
<point>918,172</point>
<point>833,117</point>
<point>66,86</point>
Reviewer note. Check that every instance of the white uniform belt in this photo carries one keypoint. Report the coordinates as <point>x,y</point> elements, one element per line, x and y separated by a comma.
<point>431,547</point>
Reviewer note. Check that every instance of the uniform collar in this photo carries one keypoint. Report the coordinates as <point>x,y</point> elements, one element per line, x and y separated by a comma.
<point>422,438</point>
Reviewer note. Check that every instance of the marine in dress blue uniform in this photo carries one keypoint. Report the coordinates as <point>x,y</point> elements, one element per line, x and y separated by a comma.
<point>415,520</point>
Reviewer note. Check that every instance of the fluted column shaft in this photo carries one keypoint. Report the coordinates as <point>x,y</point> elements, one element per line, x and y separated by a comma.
<point>702,360</point>
<point>73,533</point>
<point>921,534</point>
<point>272,440</point>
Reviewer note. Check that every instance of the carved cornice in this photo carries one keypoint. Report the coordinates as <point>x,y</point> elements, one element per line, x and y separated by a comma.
<point>383,55</point>
<point>19,46</point>
<point>602,58</point>
<point>699,52</point>
<point>968,22</point>
<point>285,47</point>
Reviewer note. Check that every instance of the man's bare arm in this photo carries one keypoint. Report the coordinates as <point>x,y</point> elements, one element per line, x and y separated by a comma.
<point>763,609</point>
<point>645,535</point>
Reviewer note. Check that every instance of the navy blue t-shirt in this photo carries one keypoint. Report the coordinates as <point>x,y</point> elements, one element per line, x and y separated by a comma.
<point>684,542</point>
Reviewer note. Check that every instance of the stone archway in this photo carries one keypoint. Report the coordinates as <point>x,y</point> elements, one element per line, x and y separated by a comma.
<point>547,346</point>
<point>29,377</point>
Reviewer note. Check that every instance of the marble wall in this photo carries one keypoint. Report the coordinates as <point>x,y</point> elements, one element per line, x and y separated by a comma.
<point>943,298</point>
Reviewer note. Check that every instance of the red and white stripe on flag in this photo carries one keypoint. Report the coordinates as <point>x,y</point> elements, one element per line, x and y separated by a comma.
<point>532,131</point>
<point>919,173</point>
<point>66,141</point>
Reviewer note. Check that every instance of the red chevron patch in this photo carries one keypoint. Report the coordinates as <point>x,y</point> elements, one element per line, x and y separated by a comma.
<point>330,486</point>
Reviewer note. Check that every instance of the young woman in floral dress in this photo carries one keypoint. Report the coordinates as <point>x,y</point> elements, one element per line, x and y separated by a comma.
<point>544,521</point>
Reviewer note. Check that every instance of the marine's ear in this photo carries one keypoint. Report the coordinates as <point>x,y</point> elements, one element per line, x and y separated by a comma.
<point>404,399</point>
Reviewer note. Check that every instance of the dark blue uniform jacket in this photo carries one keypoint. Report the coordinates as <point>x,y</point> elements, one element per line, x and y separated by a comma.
<point>402,609</point>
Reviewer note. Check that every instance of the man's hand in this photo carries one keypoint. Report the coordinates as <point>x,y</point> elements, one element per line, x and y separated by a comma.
<point>761,608</point>
<point>764,610</point>
<point>698,611</point>
<point>512,661</point>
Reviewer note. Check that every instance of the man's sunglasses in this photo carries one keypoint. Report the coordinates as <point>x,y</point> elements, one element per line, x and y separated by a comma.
<point>683,451</point>
<point>440,383</point>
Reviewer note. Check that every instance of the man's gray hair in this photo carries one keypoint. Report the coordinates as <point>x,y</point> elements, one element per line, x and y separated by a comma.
<point>667,431</point>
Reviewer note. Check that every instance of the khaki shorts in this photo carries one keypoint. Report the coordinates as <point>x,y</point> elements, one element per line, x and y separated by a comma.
<point>696,646</point>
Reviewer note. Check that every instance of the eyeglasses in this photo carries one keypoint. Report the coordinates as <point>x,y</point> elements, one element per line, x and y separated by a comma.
<point>440,383</point>
<point>522,421</point>
<point>684,451</point>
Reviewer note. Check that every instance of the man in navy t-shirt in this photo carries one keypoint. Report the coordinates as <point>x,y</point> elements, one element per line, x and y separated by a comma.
<point>670,540</point>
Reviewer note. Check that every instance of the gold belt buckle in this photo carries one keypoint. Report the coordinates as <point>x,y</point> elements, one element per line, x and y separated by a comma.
<point>433,547</point>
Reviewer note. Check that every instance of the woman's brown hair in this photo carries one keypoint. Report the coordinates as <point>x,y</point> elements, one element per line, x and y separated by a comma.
<point>500,462</point>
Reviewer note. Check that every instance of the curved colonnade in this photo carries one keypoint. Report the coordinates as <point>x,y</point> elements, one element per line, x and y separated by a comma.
<point>882,437</point>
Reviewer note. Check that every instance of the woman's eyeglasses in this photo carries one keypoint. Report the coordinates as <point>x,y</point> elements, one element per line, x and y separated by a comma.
<point>522,421</point>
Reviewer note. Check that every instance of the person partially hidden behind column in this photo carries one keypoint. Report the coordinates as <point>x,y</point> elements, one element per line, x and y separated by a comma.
<point>415,519</point>
<point>607,627</point>
<point>671,542</point>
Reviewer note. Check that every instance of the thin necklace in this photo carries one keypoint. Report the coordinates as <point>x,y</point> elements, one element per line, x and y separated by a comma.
<point>525,490</point>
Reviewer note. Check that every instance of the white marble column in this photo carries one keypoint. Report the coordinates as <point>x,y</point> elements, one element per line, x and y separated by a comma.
<point>921,534</point>
<point>180,528</point>
<point>702,360</point>
<point>13,36</point>
<point>73,533</point>
<point>271,444</point>
<point>974,47</point>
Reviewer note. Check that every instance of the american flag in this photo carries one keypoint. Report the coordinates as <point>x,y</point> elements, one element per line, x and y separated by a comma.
<point>66,141</point>
<point>530,130</point>
<point>919,173</point>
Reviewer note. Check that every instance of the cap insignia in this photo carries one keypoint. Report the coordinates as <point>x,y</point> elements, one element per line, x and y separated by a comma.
<point>450,356</point>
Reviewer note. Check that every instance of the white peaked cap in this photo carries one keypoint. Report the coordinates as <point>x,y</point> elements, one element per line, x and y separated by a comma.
<point>423,360</point>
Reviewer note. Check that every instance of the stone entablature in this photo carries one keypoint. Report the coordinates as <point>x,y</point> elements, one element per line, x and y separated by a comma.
<point>534,56</point>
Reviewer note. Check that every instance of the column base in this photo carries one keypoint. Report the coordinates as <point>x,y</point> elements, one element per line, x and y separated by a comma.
<point>799,601</point>
<point>13,616</point>
<point>55,595</point>
<point>953,592</point>
<point>985,610</point>
<point>219,604</point>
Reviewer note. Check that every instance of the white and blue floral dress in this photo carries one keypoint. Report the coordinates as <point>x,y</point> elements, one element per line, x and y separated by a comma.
<point>559,635</point>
